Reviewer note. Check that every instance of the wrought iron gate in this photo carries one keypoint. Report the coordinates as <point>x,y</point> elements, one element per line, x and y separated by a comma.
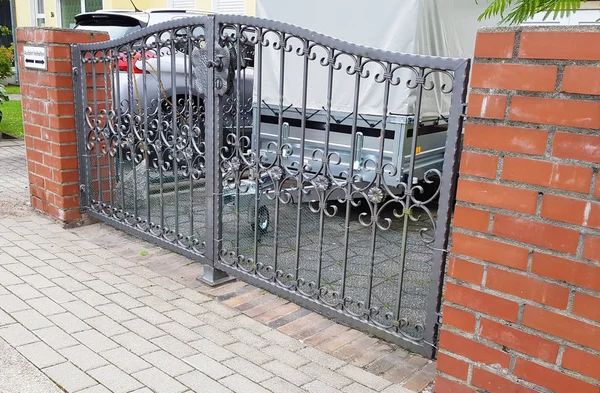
<point>221,137</point>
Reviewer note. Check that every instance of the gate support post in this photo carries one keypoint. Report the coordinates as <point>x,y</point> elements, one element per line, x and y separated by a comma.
<point>49,119</point>
<point>213,139</point>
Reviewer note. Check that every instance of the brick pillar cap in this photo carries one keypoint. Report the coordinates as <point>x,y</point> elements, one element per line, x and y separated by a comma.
<point>59,35</point>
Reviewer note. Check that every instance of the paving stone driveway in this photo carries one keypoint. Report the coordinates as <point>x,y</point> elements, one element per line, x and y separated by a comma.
<point>93,317</point>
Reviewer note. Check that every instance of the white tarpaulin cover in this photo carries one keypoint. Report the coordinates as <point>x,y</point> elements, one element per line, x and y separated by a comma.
<point>444,28</point>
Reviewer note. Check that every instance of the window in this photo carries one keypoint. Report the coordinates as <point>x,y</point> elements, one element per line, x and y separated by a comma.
<point>70,8</point>
<point>39,14</point>
<point>230,6</point>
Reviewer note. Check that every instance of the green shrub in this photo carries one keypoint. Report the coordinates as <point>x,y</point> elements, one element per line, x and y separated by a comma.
<point>6,61</point>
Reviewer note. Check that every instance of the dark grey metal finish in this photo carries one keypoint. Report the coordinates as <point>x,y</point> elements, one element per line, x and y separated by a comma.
<point>319,215</point>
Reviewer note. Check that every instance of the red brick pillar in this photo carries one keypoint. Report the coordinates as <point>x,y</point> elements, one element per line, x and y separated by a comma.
<point>49,120</point>
<point>521,309</point>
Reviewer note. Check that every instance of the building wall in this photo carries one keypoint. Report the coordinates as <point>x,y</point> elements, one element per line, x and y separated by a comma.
<point>24,18</point>
<point>521,309</point>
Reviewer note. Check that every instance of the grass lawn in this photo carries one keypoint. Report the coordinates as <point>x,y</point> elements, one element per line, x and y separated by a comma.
<point>13,89</point>
<point>12,120</point>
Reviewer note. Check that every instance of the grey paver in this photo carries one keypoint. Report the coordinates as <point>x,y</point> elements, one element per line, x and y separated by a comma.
<point>180,332</point>
<point>167,283</point>
<point>156,303</point>
<point>319,387</point>
<point>116,312</point>
<point>79,274</point>
<point>199,382</point>
<point>106,326</point>
<point>137,281</point>
<point>135,343</point>
<point>216,321</point>
<point>11,303</point>
<point>49,272</point>
<point>58,294</point>
<point>8,278</point>
<point>256,356</point>
<point>101,287</point>
<point>162,293</point>
<point>45,306</point>
<point>174,346</point>
<point>287,372</point>
<point>41,354</point>
<point>249,338</point>
<point>91,297</point>
<point>214,335</point>
<point>283,340</point>
<point>31,319</point>
<point>83,357</point>
<point>212,350</point>
<point>326,375</point>
<point>208,366</point>
<point>321,358</point>
<point>248,369</point>
<point>5,319</point>
<point>95,389</point>
<point>69,377</point>
<point>124,300</point>
<point>239,384</point>
<point>221,309</point>
<point>363,377</point>
<point>143,328</point>
<point>193,295</point>
<point>184,318</point>
<point>167,363</point>
<point>285,355</point>
<point>15,334</point>
<point>188,306</point>
<point>159,382</point>
<point>125,360</point>
<point>25,291</point>
<point>69,322</point>
<point>81,309</point>
<point>114,379</point>
<point>69,284</point>
<point>95,340</point>
<point>38,281</point>
<point>56,337</point>
<point>131,290</point>
<point>357,388</point>
<point>396,389</point>
<point>279,385</point>
<point>150,315</point>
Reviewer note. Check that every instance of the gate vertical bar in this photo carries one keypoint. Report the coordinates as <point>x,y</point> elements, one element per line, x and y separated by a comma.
<point>213,142</point>
<point>79,94</point>
<point>447,197</point>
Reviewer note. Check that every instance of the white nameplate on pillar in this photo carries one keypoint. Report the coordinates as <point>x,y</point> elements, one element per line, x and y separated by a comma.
<point>35,57</point>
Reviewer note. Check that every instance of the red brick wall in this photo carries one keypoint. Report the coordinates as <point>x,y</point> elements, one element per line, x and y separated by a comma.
<point>49,121</point>
<point>522,294</point>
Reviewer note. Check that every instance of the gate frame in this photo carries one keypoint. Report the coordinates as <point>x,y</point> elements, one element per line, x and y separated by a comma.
<point>216,272</point>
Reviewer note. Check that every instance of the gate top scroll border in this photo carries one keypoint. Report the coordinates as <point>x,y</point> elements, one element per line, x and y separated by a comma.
<point>434,62</point>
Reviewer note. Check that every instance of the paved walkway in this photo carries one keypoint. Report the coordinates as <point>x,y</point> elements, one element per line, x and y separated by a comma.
<point>95,310</point>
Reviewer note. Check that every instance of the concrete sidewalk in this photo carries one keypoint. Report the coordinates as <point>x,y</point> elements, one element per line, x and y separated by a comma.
<point>95,310</point>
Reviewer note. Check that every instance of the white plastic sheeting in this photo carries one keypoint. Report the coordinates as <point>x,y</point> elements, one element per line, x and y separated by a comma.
<point>444,28</point>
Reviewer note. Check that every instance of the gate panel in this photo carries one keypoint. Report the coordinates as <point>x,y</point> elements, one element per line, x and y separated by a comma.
<point>141,128</point>
<point>317,169</point>
<point>338,208</point>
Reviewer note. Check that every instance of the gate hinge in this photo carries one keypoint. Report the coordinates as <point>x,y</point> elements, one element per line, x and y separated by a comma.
<point>75,70</point>
<point>82,188</point>
<point>464,110</point>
